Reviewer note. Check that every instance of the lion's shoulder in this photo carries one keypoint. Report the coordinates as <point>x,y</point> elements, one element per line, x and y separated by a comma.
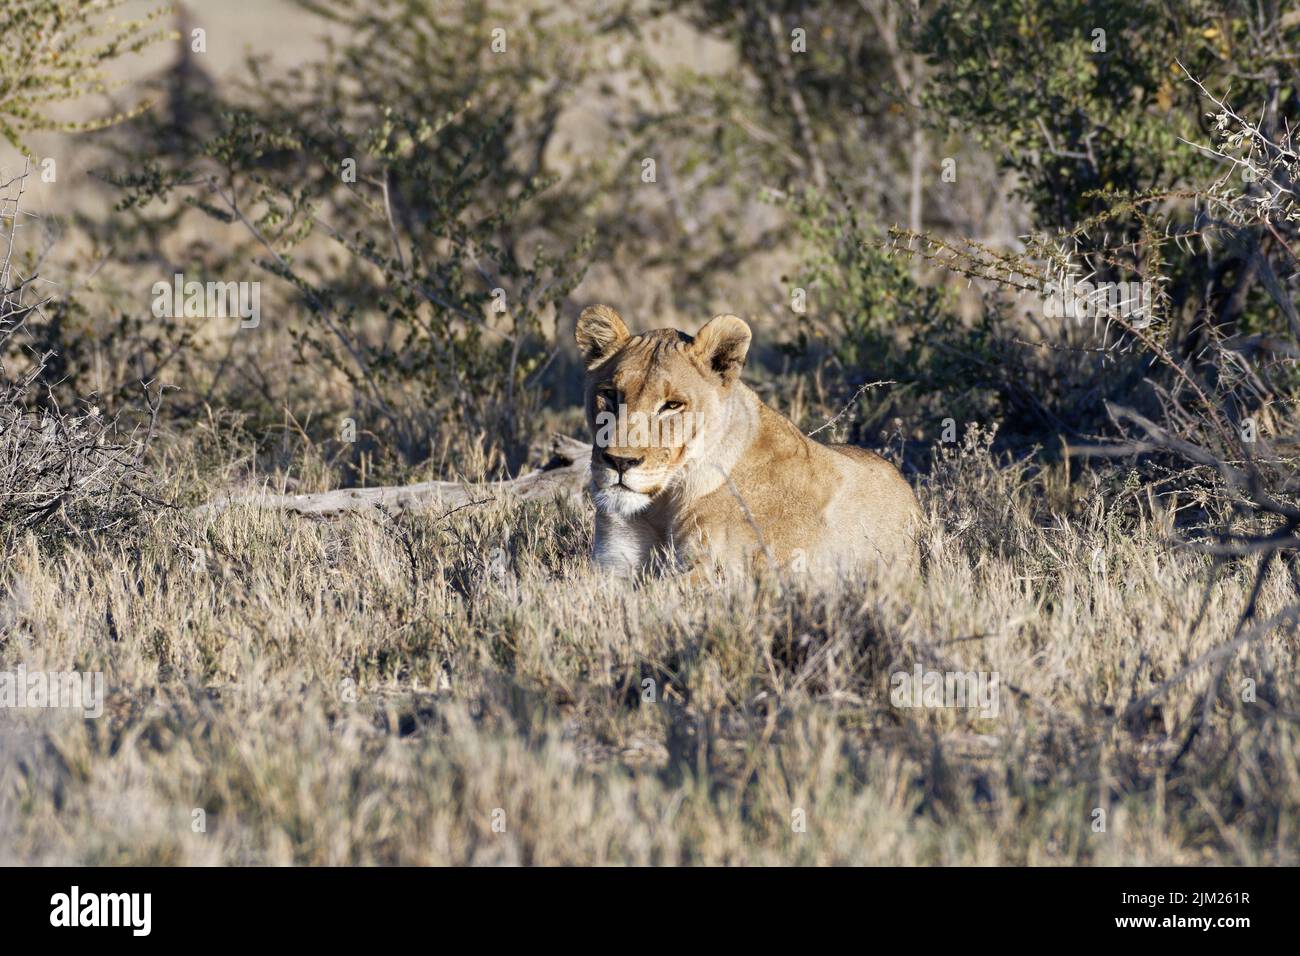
<point>857,453</point>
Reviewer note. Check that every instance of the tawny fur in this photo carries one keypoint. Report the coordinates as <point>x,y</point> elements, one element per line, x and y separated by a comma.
<point>747,489</point>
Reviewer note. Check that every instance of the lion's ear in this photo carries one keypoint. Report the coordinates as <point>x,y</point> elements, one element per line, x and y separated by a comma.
<point>722,346</point>
<point>600,332</point>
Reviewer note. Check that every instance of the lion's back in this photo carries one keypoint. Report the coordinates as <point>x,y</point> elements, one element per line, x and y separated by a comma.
<point>880,498</point>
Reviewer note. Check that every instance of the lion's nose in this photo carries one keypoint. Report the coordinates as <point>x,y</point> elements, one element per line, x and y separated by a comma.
<point>619,463</point>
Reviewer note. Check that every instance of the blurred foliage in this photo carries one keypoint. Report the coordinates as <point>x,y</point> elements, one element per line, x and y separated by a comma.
<point>53,51</point>
<point>419,241</point>
<point>501,146</point>
<point>1082,98</point>
<point>1104,112</point>
<point>1094,111</point>
<point>1093,107</point>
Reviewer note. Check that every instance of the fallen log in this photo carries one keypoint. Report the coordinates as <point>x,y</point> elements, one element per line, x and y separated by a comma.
<point>565,474</point>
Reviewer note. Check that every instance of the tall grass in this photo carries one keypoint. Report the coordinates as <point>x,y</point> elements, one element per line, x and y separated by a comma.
<point>463,689</point>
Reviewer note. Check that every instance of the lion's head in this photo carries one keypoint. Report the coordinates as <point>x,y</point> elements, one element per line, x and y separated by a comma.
<point>656,402</point>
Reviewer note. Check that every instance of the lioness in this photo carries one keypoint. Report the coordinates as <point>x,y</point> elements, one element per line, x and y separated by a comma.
<point>690,468</point>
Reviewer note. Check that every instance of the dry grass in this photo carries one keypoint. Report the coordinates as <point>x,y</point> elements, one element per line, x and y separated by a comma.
<point>498,681</point>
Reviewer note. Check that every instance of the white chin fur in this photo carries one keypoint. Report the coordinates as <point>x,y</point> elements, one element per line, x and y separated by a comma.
<point>620,500</point>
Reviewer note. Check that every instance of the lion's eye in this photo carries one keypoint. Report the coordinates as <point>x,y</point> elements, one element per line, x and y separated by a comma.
<point>671,406</point>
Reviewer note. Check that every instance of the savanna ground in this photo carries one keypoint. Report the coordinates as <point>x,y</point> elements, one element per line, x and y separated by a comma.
<point>362,690</point>
<point>458,686</point>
